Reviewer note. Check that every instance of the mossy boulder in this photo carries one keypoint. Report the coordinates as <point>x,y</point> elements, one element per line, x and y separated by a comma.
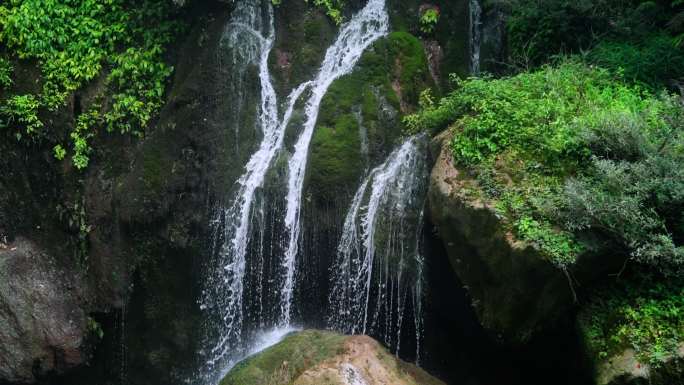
<point>517,291</point>
<point>314,357</point>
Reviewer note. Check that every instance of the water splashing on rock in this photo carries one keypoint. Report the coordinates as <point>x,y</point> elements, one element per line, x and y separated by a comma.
<point>379,266</point>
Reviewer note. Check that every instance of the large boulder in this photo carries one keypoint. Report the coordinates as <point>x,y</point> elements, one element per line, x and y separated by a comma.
<point>515,290</point>
<point>43,327</point>
<point>320,357</point>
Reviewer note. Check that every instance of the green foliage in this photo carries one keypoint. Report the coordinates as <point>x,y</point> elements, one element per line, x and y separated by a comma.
<point>333,8</point>
<point>80,136</point>
<point>560,246</point>
<point>533,114</point>
<point>429,20</point>
<point>59,152</point>
<point>5,73</point>
<point>73,41</point>
<point>633,189</point>
<point>570,149</point>
<point>643,313</point>
<point>653,61</point>
<point>138,81</point>
<point>23,110</point>
<point>638,36</point>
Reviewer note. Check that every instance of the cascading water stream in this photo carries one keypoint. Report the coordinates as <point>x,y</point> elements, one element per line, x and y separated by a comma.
<point>368,25</point>
<point>379,261</point>
<point>251,34</point>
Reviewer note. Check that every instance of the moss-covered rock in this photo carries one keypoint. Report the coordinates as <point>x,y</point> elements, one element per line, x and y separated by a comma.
<point>315,357</point>
<point>303,33</point>
<point>517,291</point>
<point>448,45</point>
<point>359,123</point>
<point>359,118</point>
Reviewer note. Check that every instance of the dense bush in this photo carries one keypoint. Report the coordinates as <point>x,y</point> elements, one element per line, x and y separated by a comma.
<point>74,41</point>
<point>633,189</point>
<point>570,149</point>
<point>639,37</point>
<point>642,313</point>
<point>650,62</point>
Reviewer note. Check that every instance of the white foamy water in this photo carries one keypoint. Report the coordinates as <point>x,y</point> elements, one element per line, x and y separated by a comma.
<point>250,34</point>
<point>379,265</point>
<point>361,31</point>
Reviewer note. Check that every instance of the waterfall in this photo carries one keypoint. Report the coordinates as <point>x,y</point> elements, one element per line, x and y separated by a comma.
<point>379,265</point>
<point>475,29</point>
<point>361,31</point>
<point>250,33</point>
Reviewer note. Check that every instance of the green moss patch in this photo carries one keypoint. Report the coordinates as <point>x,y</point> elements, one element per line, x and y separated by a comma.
<point>388,77</point>
<point>285,361</point>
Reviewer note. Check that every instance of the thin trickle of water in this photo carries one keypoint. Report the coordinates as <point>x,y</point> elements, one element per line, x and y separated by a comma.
<point>359,33</point>
<point>252,37</point>
<point>379,265</point>
<point>475,21</point>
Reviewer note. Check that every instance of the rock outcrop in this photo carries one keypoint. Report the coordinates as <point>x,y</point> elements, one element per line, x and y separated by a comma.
<point>315,357</point>
<point>515,290</point>
<point>43,328</point>
<point>625,368</point>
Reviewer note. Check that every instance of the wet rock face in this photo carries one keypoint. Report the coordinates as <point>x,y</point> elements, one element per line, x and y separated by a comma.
<point>42,326</point>
<point>315,357</point>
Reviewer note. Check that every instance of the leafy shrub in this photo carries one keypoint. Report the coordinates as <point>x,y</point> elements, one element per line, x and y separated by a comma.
<point>651,62</point>
<point>5,73</point>
<point>73,41</point>
<point>428,21</point>
<point>569,149</point>
<point>644,313</point>
<point>23,109</point>
<point>637,36</point>
<point>633,189</point>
